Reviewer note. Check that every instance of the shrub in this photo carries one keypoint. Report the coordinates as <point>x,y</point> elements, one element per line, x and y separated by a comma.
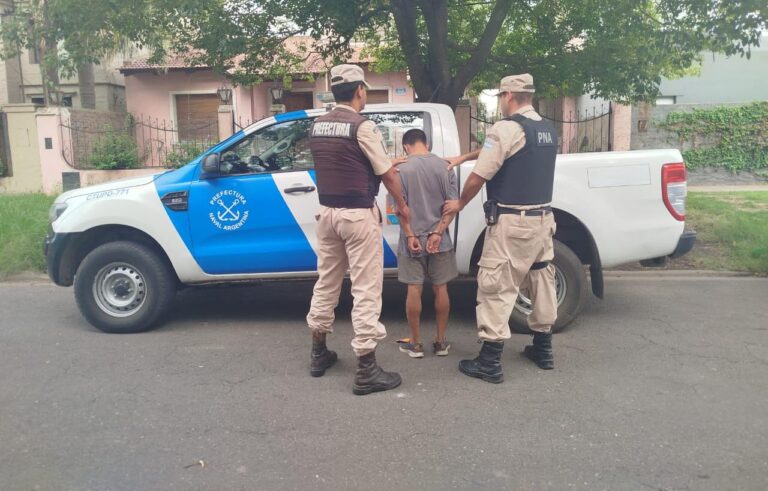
<point>732,137</point>
<point>114,150</point>
<point>183,152</point>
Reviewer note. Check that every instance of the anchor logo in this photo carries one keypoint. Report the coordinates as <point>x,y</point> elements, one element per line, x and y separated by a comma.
<point>230,216</point>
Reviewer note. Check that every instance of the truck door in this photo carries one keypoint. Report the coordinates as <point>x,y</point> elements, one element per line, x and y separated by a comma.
<point>258,215</point>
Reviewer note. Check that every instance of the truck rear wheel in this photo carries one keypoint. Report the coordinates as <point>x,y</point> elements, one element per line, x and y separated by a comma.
<point>124,287</point>
<point>571,284</point>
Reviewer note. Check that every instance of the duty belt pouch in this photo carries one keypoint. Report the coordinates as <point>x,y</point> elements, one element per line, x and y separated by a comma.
<point>491,208</point>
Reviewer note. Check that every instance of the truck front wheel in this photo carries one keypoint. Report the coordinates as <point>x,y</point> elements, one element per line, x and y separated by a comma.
<point>124,287</point>
<point>571,285</point>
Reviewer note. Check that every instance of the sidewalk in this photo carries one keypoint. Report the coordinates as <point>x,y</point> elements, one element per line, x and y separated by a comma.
<point>728,188</point>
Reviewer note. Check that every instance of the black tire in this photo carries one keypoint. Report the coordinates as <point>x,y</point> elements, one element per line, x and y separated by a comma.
<point>575,278</point>
<point>119,273</point>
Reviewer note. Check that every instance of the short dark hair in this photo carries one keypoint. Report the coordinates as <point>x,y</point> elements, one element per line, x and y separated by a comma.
<point>523,97</point>
<point>345,92</point>
<point>415,135</point>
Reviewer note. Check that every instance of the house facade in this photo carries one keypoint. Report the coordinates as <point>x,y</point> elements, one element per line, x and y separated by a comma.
<point>186,98</point>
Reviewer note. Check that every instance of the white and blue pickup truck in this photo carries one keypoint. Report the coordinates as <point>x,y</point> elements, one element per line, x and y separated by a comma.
<point>245,209</point>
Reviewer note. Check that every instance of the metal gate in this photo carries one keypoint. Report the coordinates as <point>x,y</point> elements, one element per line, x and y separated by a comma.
<point>580,132</point>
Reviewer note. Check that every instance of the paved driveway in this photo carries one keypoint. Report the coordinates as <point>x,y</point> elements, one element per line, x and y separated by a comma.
<point>663,385</point>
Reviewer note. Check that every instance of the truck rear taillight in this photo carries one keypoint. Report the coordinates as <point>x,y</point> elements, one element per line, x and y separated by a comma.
<point>674,189</point>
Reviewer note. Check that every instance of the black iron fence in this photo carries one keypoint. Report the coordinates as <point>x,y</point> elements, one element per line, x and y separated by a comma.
<point>132,142</point>
<point>578,131</point>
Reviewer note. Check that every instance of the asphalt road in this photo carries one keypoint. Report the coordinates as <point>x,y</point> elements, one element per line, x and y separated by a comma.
<point>663,385</point>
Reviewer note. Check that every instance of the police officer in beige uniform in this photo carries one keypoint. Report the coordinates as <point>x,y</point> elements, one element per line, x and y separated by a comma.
<point>350,162</point>
<point>517,164</point>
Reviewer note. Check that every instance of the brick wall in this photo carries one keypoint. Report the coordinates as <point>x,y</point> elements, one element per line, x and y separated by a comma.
<point>86,127</point>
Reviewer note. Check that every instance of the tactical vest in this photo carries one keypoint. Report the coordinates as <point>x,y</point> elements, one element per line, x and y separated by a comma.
<point>345,177</point>
<point>526,178</point>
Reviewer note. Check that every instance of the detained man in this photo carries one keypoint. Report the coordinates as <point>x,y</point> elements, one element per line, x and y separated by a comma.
<point>425,251</point>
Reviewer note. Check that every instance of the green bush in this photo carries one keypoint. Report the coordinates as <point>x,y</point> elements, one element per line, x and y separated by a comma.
<point>114,150</point>
<point>735,137</point>
<point>184,152</point>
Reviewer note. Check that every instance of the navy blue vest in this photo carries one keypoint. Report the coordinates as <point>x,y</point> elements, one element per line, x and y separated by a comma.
<point>527,177</point>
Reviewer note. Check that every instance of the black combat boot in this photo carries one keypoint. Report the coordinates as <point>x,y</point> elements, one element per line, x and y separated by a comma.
<point>487,365</point>
<point>322,357</point>
<point>540,352</point>
<point>371,378</point>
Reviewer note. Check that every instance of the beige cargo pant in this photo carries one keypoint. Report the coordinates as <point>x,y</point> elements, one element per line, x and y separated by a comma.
<point>350,239</point>
<point>510,249</point>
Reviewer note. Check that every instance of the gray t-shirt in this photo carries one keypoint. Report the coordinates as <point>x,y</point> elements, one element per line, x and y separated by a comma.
<point>427,183</point>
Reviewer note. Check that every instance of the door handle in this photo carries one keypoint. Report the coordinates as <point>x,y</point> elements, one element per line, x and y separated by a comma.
<point>299,189</point>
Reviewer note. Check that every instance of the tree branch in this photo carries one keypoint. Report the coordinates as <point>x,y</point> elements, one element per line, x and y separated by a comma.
<point>483,49</point>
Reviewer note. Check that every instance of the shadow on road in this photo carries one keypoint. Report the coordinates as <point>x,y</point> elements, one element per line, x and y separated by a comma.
<point>289,301</point>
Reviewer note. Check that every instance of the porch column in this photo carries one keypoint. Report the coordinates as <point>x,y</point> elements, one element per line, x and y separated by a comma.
<point>226,122</point>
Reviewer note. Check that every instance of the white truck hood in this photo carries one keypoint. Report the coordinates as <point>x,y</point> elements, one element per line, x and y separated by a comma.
<point>108,186</point>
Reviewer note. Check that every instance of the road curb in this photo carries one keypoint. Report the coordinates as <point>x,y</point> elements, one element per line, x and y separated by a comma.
<point>680,273</point>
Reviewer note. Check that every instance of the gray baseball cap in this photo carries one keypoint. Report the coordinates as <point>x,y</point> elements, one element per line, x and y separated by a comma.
<point>341,74</point>
<point>517,83</point>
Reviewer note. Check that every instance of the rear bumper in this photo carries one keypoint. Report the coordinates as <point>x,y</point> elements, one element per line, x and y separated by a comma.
<point>685,244</point>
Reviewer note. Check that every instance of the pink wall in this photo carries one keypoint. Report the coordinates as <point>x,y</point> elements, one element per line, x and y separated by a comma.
<point>52,162</point>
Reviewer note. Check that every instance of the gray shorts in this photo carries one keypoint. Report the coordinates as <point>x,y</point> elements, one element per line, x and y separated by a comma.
<point>438,268</point>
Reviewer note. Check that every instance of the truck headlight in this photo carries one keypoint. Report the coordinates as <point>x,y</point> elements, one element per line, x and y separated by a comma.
<point>55,211</point>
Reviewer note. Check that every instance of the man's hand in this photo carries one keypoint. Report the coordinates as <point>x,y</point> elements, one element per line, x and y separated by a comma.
<point>404,213</point>
<point>453,162</point>
<point>399,160</point>
<point>458,160</point>
<point>433,243</point>
<point>414,245</point>
<point>451,206</point>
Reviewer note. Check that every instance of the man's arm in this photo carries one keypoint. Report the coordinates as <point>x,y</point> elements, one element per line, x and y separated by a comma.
<point>473,186</point>
<point>456,161</point>
<point>391,181</point>
<point>436,236</point>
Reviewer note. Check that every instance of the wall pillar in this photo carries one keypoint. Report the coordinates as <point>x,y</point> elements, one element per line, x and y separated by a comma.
<point>463,121</point>
<point>226,122</point>
<point>26,175</point>
<point>621,127</point>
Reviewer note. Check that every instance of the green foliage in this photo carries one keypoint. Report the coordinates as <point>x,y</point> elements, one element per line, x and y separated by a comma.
<point>23,222</point>
<point>183,153</point>
<point>114,150</point>
<point>732,137</point>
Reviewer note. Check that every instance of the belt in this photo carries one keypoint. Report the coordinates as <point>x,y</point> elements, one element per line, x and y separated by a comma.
<point>536,212</point>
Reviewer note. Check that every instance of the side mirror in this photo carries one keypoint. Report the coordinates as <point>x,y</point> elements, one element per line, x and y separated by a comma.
<point>211,164</point>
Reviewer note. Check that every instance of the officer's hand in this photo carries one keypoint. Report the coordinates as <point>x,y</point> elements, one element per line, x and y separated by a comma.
<point>414,245</point>
<point>433,243</point>
<point>454,162</point>
<point>404,213</point>
<point>399,160</point>
<point>451,206</point>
